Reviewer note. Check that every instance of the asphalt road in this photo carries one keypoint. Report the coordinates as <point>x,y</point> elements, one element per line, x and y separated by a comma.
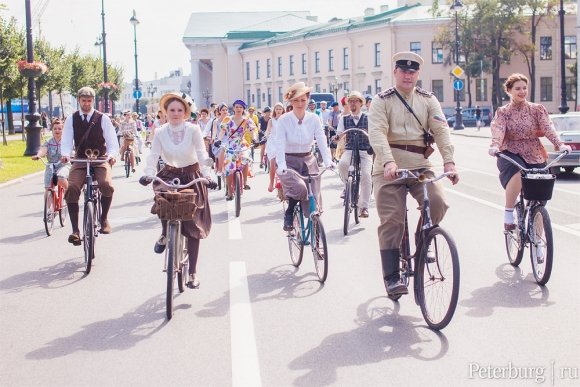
<point>256,320</point>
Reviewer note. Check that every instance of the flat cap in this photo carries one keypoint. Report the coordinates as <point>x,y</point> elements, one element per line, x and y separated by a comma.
<point>408,60</point>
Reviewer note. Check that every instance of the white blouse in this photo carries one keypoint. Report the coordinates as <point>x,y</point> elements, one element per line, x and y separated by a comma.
<point>179,147</point>
<point>292,137</point>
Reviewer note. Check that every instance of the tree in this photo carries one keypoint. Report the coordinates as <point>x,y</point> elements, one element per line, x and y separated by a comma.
<point>11,50</point>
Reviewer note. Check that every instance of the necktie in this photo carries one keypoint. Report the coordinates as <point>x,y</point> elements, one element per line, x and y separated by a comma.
<point>85,118</point>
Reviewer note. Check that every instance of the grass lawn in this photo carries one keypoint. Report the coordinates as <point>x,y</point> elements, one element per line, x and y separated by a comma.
<point>13,164</point>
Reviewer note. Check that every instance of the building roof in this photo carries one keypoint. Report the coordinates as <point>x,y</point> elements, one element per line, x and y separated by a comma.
<point>220,24</point>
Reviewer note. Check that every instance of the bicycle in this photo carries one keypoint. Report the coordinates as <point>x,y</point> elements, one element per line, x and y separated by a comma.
<point>352,184</point>
<point>533,225</point>
<point>92,207</point>
<point>433,265</point>
<point>53,201</point>
<point>127,156</point>
<point>312,233</point>
<point>238,177</point>
<point>176,256</point>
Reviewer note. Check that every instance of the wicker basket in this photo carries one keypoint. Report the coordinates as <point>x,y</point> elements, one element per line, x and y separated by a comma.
<point>176,205</point>
<point>538,186</point>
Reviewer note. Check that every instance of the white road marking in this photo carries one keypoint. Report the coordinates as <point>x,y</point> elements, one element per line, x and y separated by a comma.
<point>234,226</point>
<point>497,207</point>
<point>245,364</point>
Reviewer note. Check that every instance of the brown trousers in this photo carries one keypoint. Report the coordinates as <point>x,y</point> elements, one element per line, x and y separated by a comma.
<point>76,180</point>
<point>391,199</point>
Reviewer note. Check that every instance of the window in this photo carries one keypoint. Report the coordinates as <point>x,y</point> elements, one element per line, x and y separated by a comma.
<point>268,68</point>
<point>481,89</point>
<point>269,96</point>
<point>303,63</point>
<point>378,87</point>
<point>436,52</point>
<point>415,47</point>
<point>377,54</point>
<point>570,47</point>
<point>545,88</point>
<point>317,88</point>
<point>330,60</point>
<point>570,89</point>
<point>279,66</point>
<point>248,95</point>
<point>345,87</point>
<point>345,58</point>
<point>280,96</point>
<point>257,69</point>
<point>259,99</point>
<point>291,64</point>
<point>437,88</point>
<point>247,71</point>
<point>317,62</point>
<point>545,48</point>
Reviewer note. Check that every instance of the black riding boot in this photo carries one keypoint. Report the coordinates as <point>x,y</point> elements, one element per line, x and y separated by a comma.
<point>105,206</point>
<point>391,272</point>
<point>73,213</point>
<point>289,214</point>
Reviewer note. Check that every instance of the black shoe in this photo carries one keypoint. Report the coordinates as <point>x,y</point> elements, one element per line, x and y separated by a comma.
<point>160,244</point>
<point>288,222</point>
<point>395,287</point>
<point>75,238</point>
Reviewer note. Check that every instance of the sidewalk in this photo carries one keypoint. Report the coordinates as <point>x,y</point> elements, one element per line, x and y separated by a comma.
<point>483,132</point>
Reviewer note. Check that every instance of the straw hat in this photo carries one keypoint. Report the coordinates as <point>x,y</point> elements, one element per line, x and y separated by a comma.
<point>184,98</point>
<point>356,95</point>
<point>297,90</point>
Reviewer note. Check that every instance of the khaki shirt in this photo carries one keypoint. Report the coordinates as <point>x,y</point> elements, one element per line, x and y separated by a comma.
<point>391,123</point>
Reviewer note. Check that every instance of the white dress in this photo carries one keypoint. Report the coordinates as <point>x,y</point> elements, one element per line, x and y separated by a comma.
<point>271,142</point>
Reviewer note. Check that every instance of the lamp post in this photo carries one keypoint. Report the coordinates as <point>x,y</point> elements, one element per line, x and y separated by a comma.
<point>456,7</point>
<point>135,22</point>
<point>104,43</point>
<point>151,90</point>
<point>563,106</point>
<point>33,128</point>
<point>99,43</point>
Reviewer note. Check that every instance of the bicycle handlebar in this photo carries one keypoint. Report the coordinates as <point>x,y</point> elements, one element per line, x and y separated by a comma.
<point>421,178</point>
<point>532,170</point>
<point>352,130</point>
<point>309,175</point>
<point>90,161</point>
<point>176,183</point>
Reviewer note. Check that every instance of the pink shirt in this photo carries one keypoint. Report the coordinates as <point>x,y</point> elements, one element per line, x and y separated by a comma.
<point>516,128</point>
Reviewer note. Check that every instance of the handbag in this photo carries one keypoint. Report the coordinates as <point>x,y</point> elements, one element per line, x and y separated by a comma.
<point>428,138</point>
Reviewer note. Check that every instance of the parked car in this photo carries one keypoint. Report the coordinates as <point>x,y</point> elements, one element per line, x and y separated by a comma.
<point>568,128</point>
<point>468,115</point>
<point>468,120</point>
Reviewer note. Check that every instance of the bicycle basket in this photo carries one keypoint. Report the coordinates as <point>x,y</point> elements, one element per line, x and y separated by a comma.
<point>538,186</point>
<point>176,205</point>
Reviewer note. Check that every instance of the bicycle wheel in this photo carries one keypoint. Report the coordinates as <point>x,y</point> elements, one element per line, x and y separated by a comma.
<point>171,256</point>
<point>347,207</point>
<point>127,164</point>
<point>438,286</point>
<point>89,235</point>
<point>295,241</point>
<point>49,213</point>
<point>183,266</point>
<point>355,192</point>
<point>541,245</point>
<point>514,240</point>
<point>319,248</point>
<point>238,193</point>
<point>63,212</point>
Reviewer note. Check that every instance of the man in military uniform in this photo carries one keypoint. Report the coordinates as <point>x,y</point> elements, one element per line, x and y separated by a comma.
<point>398,141</point>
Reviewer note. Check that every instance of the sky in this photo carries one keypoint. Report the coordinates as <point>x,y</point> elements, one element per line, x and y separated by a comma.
<point>77,23</point>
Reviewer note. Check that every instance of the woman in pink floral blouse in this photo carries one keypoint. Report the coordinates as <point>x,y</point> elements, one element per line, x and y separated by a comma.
<point>516,130</point>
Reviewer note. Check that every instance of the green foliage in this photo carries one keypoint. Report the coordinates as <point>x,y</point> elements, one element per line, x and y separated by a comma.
<point>13,164</point>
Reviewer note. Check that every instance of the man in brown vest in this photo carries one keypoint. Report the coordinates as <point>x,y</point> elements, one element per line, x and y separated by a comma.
<point>88,129</point>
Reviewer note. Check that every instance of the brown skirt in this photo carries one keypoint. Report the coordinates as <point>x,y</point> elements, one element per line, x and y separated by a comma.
<point>295,187</point>
<point>200,226</point>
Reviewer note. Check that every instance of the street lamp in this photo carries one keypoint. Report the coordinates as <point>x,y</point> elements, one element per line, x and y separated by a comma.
<point>563,106</point>
<point>456,7</point>
<point>33,128</point>
<point>135,21</point>
<point>103,41</point>
<point>151,90</point>
<point>99,43</point>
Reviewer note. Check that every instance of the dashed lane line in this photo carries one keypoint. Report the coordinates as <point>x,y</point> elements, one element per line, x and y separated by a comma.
<point>234,226</point>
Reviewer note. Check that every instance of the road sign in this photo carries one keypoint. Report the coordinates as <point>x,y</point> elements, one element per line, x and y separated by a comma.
<point>137,94</point>
<point>457,71</point>
<point>458,84</point>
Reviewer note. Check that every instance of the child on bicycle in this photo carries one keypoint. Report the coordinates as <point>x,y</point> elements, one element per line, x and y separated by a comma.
<point>51,149</point>
<point>128,130</point>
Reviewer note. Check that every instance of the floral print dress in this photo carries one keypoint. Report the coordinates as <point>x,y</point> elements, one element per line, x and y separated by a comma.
<point>237,139</point>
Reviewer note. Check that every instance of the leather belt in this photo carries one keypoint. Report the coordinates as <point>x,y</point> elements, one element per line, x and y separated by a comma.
<point>299,154</point>
<point>410,148</point>
<point>187,169</point>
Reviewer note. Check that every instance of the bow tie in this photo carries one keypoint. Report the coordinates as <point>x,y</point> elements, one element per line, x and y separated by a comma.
<point>355,118</point>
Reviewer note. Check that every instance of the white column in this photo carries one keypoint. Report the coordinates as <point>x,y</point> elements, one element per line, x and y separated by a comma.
<point>195,83</point>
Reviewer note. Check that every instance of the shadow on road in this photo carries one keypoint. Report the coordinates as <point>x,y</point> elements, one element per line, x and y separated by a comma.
<point>382,334</point>
<point>119,333</point>
<point>278,283</point>
<point>51,277</point>
<point>26,238</point>
<point>514,290</point>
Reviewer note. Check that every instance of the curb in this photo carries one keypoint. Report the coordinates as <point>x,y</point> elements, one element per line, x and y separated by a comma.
<point>470,135</point>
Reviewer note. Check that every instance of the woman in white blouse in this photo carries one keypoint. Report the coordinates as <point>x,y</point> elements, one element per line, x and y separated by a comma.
<point>180,144</point>
<point>277,112</point>
<point>295,135</point>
